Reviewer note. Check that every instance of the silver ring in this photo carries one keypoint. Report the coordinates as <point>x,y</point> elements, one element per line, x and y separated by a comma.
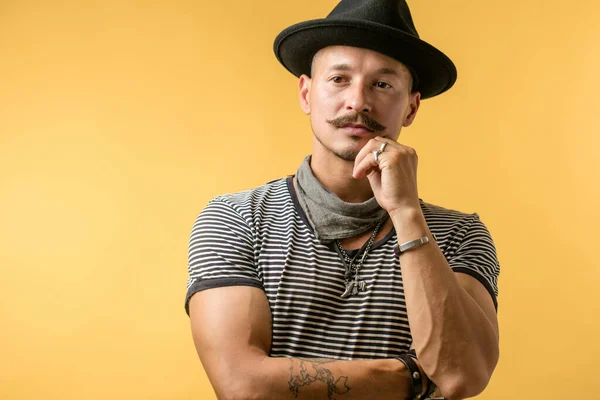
<point>377,152</point>
<point>376,156</point>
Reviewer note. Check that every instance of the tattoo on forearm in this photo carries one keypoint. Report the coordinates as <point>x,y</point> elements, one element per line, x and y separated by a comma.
<point>304,372</point>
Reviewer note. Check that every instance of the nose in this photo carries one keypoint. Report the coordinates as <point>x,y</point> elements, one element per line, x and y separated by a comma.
<point>358,98</point>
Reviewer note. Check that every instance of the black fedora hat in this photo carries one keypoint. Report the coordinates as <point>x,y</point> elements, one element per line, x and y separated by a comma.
<point>385,26</point>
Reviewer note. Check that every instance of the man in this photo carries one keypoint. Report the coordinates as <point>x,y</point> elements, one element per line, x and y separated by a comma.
<point>340,282</point>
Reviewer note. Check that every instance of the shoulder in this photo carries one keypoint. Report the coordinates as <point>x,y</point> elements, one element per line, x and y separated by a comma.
<point>272,190</point>
<point>242,211</point>
<point>452,227</point>
<point>261,199</point>
<point>466,243</point>
<point>441,215</point>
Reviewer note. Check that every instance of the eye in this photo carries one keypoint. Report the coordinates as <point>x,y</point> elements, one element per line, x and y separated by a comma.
<point>337,79</point>
<point>382,85</point>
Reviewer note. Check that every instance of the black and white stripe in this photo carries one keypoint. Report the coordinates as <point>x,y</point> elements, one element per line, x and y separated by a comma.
<point>260,238</point>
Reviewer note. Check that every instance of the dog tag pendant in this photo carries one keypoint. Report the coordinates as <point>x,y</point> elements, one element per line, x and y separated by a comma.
<point>348,291</point>
<point>355,288</point>
<point>359,285</point>
<point>362,285</point>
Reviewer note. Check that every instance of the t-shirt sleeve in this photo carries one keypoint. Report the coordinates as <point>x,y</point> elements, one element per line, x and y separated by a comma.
<point>476,256</point>
<point>221,250</point>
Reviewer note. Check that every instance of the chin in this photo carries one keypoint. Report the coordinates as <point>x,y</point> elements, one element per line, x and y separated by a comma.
<point>350,157</point>
<point>347,154</point>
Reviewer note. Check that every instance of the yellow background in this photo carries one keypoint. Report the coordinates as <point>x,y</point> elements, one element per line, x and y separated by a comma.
<point>120,120</point>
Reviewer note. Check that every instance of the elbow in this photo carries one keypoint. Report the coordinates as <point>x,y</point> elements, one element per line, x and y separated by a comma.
<point>469,381</point>
<point>234,395</point>
<point>240,390</point>
<point>464,386</point>
<point>245,380</point>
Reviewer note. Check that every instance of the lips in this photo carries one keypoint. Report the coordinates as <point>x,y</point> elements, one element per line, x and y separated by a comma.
<point>357,129</point>
<point>356,126</point>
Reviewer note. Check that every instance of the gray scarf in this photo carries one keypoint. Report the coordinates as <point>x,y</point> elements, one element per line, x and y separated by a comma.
<point>330,217</point>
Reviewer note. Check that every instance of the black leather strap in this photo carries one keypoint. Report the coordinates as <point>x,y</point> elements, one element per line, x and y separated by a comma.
<point>431,387</point>
<point>415,375</point>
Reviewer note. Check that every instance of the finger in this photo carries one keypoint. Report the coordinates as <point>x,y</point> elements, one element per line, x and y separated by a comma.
<point>365,166</point>
<point>364,158</point>
<point>371,146</point>
<point>366,151</point>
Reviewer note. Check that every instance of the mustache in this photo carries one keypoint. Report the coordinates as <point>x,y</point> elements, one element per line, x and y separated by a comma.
<point>356,118</point>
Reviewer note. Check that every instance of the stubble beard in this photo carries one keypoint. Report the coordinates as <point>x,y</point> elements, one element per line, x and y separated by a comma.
<point>348,154</point>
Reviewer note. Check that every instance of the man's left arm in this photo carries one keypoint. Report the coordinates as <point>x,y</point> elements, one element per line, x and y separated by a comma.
<point>452,316</point>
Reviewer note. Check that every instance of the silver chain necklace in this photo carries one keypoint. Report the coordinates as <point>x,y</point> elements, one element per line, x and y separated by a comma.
<point>353,286</point>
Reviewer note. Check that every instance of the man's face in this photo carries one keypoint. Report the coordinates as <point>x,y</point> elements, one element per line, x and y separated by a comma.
<point>354,95</point>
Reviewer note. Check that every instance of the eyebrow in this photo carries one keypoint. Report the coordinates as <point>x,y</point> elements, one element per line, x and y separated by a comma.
<point>387,71</point>
<point>380,71</point>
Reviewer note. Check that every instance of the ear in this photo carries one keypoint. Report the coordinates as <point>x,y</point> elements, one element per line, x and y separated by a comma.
<point>415,103</point>
<point>304,86</point>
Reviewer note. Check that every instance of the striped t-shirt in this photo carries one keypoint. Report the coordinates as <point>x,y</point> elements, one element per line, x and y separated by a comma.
<point>262,238</point>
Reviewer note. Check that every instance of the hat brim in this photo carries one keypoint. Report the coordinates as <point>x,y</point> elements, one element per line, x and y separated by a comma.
<point>295,47</point>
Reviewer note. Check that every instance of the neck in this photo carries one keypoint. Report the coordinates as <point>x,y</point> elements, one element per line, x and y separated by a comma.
<point>336,175</point>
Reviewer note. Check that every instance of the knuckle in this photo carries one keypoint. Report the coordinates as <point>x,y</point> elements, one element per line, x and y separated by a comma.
<point>411,152</point>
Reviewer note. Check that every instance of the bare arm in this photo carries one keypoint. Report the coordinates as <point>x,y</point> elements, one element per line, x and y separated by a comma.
<point>231,327</point>
<point>452,316</point>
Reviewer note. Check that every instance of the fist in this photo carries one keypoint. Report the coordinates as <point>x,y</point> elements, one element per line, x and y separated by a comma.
<point>392,174</point>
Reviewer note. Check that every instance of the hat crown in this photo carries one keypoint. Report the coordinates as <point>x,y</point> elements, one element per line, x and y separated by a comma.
<point>383,26</point>
<point>393,13</point>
